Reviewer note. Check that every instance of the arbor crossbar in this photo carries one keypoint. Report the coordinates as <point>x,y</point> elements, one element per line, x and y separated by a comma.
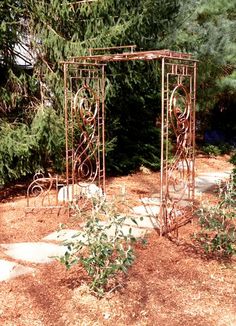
<point>129,56</point>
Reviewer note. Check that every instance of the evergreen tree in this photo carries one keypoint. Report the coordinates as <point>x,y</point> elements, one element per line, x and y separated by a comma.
<point>60,29</point>
<point>209,33</point>
<point>31,102</point>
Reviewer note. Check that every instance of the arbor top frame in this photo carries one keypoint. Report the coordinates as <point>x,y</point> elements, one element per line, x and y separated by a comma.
<point>129,55</point>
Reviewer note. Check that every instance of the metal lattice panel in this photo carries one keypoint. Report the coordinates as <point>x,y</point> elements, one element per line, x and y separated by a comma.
<point>84,122</point>
<point>178,141</point>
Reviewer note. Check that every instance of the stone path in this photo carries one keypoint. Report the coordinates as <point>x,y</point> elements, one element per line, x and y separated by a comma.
<point>45,251</point>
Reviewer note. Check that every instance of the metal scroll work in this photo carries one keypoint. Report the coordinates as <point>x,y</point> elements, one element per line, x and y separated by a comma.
<point>43,192</point>
<point>178,142</point>
<point>84,124</point>
<point>86,106</point>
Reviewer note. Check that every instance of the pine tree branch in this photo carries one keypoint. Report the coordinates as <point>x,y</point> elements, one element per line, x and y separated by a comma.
<point>46,63</point>
<point>53,30</point>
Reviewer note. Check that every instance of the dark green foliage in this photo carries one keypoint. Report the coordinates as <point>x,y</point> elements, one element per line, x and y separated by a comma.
<point>17,149</point>
<point>233,159</point>
<point>48,130</point>
<point>25,150</point>
<point>59,30</point>
<point>215,150</point>
<point>133,108</point>
<point>211,150</point>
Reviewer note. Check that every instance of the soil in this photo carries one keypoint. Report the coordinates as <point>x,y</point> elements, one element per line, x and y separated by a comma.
<point>170,284</point>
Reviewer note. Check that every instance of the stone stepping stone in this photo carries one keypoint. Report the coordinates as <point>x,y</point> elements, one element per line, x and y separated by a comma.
<point>207,180</point>
<point>70,235</point>
<point>150,201</point>
<point>61,235</point>
<point>34,252</point>
<point>66,236</point>
<point>145,222</point>
<point>135,232</point>
<point>150,210</point>
<point>10,270</point>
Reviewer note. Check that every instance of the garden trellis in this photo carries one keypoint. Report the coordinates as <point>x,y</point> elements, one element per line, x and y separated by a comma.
<point>84,89</point>
<point>85,97</point>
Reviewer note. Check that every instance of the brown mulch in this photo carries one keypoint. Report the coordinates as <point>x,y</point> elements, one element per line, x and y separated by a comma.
<point>170,284</point>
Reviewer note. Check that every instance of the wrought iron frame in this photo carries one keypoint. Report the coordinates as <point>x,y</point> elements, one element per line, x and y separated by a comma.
<point>85,160</point>
<point>178,165</point>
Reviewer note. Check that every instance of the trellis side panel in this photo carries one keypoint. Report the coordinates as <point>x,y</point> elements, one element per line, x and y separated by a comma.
<point>178,142</point>
<point>84,123</point>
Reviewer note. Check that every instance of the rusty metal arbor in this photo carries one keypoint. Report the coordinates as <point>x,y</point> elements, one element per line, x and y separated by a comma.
<point>84,80</point>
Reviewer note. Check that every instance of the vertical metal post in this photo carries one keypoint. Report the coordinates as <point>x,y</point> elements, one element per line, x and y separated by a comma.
<point>162,204</point>
<point>103,132</point>
<point>194,124</point>
<point>66,120</point>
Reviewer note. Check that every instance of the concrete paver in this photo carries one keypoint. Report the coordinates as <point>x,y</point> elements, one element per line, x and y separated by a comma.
<point>149,210</point>
<point>135,231</point>
<point>61,235</point>
<point>146,222</point>
<point>150,200</point>
<point>34,252</point>
<point>207,180</point>
<point>9,270</point>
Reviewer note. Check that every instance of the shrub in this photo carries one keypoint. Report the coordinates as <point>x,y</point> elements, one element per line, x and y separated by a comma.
<point>233,159</point>
<point>211,150</point>
<point>215,150</point>
<point>101,247</point>
<point>218,229</point>
<point>16,152</point>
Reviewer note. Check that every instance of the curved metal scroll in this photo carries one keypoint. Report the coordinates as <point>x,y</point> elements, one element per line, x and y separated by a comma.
<point>40,189</point>
<point>180,168</point>
<point>179,115</point>
<point>178,134</point>
<point>85,160</point>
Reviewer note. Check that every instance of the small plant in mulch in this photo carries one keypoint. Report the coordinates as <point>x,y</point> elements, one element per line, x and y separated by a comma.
<point>101,247</point>
<point>217,235</point>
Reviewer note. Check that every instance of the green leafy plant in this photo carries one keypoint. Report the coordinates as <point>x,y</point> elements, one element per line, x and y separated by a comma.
<point>211,150</point>
<point>233,159</point>
<point>218,229</point>
<point>101,247</point>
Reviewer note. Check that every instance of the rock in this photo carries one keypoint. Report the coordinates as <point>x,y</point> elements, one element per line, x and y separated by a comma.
<point>90,190</point>
<point>68,193</point>
<point>82,190</point>
<point>144,170</point>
